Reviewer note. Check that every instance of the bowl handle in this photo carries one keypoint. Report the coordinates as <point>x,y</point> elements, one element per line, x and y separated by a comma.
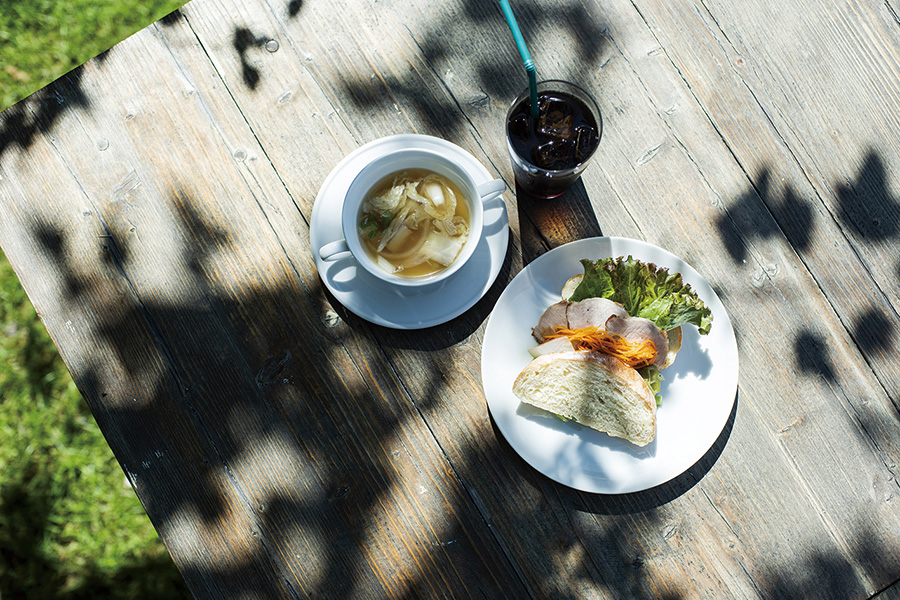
<point>331,250</point>
<point>489,190</point>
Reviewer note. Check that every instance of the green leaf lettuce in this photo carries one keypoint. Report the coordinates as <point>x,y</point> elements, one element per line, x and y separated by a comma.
<point>654,379</point>
<point>644,290</point>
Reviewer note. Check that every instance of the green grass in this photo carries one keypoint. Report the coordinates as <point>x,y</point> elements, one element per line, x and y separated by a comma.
<point>71,527</point>
<point>41,40</point>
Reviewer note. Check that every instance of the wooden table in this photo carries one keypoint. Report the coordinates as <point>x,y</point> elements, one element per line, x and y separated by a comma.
<point>156,204</point>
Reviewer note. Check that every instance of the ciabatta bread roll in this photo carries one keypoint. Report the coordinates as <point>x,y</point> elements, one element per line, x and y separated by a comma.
<point>594,389</point>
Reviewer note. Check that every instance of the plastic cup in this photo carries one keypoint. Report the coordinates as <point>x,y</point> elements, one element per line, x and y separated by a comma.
<point>549,152</point>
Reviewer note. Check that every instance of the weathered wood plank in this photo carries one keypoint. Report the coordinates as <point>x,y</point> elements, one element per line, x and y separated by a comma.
<point>690,193</point>
<point>200,241</point>
<point>354,461</point>
<point>821,173</point>
<point>890,593</point>
<point>855,281</point>
<point>651,148</point>
<point>737,177</point>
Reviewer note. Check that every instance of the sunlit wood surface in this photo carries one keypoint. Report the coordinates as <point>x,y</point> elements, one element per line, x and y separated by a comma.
<point>156,205</point>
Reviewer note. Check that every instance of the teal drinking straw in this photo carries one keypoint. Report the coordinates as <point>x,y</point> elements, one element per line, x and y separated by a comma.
<point>523,50</point>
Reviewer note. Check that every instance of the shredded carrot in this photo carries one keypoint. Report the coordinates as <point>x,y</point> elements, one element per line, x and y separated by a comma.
<point>633,354</point>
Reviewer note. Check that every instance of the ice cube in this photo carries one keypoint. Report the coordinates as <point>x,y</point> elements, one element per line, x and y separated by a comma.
<point>555,154</point>
<point>585,142</point>
<point>556,118</point>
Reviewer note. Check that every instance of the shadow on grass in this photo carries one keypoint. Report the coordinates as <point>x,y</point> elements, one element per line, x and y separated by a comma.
<point>28,569</point>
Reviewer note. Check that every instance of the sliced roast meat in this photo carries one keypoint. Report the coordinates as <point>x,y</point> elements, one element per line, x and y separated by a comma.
<point>607,315</point>
<point>553,317</point>
<point>638,330</point>
<point>593,312</point>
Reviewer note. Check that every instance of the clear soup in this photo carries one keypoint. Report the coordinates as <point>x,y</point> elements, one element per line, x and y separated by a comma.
<point>414,223</point>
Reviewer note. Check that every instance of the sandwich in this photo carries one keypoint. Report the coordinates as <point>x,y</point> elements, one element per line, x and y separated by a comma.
<point>600,350</point>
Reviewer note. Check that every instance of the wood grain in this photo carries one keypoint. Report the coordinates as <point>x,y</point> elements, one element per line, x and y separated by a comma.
<point>156,204</point>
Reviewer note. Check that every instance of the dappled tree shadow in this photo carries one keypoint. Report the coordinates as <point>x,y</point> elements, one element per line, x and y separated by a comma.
<point>52,241</point>
<point>243,40</point>
<point>582,25</point>
<point>813,356</point>
<point>172,18</point>
<point>873,331</point>
<point>867,206</point>
<point>335,437</point>
<point>443,115</point>
<point>301,402</point>
<point>791,216</point>
<point>294,7</point>
<point>36,115</point>
<point>296,399</point>
<point>209,238</point>
<point>39,113</point>
<point>227,377</point>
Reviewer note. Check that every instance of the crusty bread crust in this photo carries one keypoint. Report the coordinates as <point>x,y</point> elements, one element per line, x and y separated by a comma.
<point>594,389</point>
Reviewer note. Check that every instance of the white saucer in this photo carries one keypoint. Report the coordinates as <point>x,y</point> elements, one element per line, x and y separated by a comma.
<point>374,300</point>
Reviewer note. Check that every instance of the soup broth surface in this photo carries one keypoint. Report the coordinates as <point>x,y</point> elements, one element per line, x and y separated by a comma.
<point>414,223</point>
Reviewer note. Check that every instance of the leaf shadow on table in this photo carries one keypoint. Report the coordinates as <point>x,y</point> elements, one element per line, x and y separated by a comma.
<point>248,44</point>
<point>868,210</point>
<point>580,23</point>
<point>172,18</point>
<point>270,397</point>
<point>322,406</point>
<point>867,204</point>
<point>274,394</point>
<point>443,114</point>
<point>789,215</point>
<point>243,41</point>
<point>22,123</point>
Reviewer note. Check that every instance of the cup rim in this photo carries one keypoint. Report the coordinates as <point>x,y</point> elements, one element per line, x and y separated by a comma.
<point>584,96</point>
<point>458,174</point>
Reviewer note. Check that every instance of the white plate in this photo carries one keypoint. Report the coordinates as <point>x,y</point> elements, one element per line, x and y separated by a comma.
<point>698,391</point>
<point>371,298</point>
